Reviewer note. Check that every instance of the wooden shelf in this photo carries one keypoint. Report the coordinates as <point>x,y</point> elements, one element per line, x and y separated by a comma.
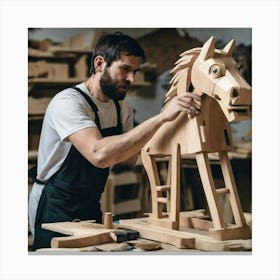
<point>33,82</point>
<point>39,54</point>
<point>52,82</point>
<point>45,81</point>
<point>67,50</point>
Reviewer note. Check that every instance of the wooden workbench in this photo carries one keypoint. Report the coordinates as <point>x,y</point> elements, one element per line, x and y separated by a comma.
<point>86,236</point>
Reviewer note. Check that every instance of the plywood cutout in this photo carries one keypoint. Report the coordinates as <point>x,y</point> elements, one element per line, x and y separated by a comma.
<point>225,97</point>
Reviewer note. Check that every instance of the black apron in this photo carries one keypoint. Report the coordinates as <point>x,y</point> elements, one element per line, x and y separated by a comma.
<point>74,191</point>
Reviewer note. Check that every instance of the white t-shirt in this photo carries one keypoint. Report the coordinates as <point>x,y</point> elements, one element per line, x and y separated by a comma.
<point>67,113</point>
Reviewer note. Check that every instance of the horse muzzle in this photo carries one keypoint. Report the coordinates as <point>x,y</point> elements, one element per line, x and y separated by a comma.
<point>240,104</point>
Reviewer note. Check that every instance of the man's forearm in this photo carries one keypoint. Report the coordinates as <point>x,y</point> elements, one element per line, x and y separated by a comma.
<point>118,148</point>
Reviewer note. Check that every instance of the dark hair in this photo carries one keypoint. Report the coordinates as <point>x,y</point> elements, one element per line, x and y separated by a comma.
<point>110,47</point>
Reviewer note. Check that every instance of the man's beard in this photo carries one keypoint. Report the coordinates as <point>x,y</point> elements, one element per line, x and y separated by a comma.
<point>112,89</point>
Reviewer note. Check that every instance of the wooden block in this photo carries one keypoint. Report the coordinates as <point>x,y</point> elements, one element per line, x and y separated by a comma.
<point>108,220</point>
<point>164,221</point>
<point>198,223</point>
<point>231,233</point>
<point>86,233</point>
<point>82,240</point>
<point>148,245</point>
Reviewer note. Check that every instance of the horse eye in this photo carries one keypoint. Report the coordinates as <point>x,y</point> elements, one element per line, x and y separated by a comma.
<point>216,70</point>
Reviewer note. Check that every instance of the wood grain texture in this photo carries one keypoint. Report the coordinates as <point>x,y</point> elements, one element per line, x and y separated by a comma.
<point>81,240</point>
<point>186,238</point>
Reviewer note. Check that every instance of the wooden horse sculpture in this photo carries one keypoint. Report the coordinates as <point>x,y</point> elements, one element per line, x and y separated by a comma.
<point>225,97</point>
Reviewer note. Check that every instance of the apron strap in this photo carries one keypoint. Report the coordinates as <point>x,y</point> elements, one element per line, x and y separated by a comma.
<point>92,105</point>
<point>95,109</point>
<point>118,108</point>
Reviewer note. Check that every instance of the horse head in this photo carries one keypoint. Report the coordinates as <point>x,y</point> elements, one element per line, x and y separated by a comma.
<point>216,73</point>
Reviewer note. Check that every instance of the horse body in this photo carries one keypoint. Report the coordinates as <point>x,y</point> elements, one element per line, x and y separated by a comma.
<point>207,132</point>
<point>225,97</point>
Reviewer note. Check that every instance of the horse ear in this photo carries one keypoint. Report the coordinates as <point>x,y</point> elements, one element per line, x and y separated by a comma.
<point>229,48</point>
<point>208,49</point>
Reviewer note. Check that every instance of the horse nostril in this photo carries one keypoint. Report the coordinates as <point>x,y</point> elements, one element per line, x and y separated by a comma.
<point>235,93</point>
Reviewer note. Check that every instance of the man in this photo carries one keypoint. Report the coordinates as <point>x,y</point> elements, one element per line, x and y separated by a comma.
<point>86,130</point>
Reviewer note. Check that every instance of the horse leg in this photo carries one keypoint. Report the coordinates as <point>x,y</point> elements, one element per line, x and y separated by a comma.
<point>231,186</point>
<point>209,189</point>
<point>170,219</point>
<point>220,230</point>
<point>175,185</point>
<point>152,172</point>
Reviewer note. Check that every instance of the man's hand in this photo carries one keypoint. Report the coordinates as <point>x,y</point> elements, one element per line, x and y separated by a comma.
<point>187,102</point>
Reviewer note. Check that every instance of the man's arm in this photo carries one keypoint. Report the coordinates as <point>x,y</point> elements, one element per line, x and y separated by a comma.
<point>107,151</point>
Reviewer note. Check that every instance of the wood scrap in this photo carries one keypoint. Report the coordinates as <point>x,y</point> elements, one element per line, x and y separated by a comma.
<point>148,245</point>
<point>81,240</point>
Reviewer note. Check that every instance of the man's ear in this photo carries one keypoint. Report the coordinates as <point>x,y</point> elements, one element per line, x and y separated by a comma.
<point>99,64</point>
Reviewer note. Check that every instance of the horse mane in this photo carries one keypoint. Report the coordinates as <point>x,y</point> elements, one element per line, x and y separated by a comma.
<point>182,72</point>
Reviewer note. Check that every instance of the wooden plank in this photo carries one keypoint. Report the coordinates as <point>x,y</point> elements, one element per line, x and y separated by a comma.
<point>235,232</point>
<point>231,185</point>
<point>150,165</point>
<point>73,228</point>
<point>82,240</point>
<point>165,235</point>
<point>47,81</point>
<point>198,223</point>
<point>164,221</point>
<point>184,238</point>
<point>82,234</point>
<point>175,185</point>
<point>209,188</point>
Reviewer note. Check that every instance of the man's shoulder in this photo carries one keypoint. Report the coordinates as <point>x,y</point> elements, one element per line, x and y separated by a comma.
<point>66,93</point>
<point>68,100</point>
<point>68,96</point>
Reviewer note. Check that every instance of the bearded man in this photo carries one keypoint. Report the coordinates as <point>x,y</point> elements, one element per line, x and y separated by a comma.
<point>87,129</point>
